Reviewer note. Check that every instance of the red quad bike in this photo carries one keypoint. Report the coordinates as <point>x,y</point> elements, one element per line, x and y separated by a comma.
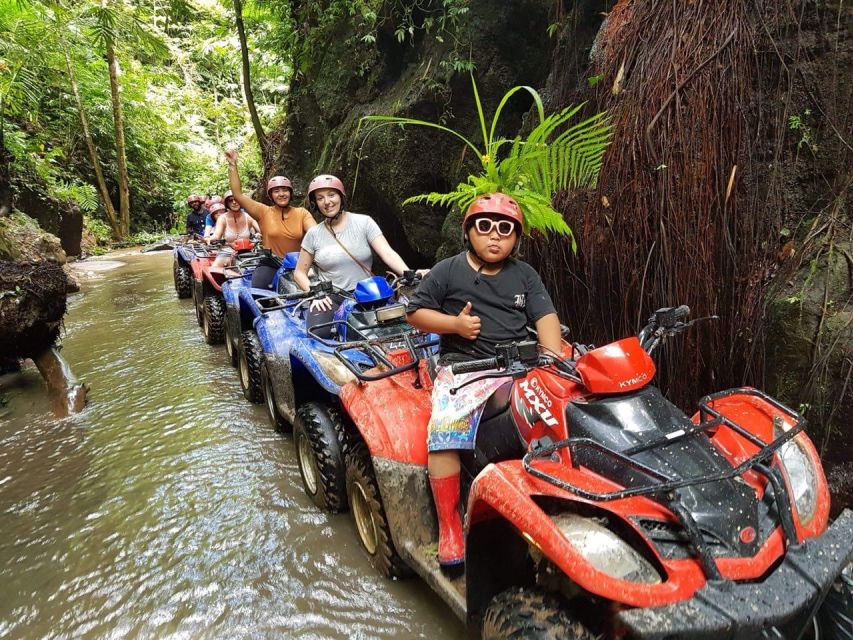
<point>594,505</point>
<point>207,289</point>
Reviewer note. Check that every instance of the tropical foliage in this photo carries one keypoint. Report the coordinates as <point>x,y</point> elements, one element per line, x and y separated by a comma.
<point>553,157</point>
<point>177,70</point>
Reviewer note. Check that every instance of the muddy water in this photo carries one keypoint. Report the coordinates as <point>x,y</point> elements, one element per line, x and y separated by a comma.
<point>169,507</point>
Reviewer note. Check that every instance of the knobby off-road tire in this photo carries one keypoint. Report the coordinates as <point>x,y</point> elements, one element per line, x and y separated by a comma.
<point>368,514</point>
<point>529,614</point>
<point>251,361</point>
<point>278,421</point>
<point>232,347</point>
<point>213,325</point>
<point>316,434</point>
<point>183,280</point>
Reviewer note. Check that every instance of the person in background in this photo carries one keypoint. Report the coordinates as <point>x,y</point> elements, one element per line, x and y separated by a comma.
<point>195,218</point>
<point>209,202</point>
<point>230,226</point>
<point>216,210</point>
<point>282,225</point>
<point>340,248</point>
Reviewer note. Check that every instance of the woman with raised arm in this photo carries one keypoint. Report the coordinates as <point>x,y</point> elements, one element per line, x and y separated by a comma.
<point>282,225</point>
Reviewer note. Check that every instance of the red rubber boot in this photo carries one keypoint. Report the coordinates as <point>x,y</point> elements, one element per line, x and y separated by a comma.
<point>451,545</point>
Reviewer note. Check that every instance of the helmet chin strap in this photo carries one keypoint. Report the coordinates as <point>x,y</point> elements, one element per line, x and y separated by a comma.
<point>333,219</point>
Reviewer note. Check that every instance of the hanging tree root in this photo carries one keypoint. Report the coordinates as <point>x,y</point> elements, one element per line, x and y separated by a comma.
<point>693,90</point>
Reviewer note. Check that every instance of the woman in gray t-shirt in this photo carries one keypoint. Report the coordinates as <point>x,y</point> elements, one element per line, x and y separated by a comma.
<point>341,247</point>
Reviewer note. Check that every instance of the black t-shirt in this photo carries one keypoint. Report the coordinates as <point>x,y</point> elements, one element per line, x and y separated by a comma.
<point>506,303</point>
<point>195,222</point>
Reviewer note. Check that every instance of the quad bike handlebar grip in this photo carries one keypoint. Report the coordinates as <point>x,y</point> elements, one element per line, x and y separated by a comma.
<point>473,366</point>
<point>668,317</point>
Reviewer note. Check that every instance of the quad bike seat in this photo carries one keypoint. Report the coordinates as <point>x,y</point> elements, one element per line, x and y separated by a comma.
<point>498,402</point>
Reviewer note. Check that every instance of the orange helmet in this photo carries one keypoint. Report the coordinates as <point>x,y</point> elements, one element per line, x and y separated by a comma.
<point>498,204</point>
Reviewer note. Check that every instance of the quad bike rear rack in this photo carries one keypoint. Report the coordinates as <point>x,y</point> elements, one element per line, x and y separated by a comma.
<point>376,349</point>
<point>664,489</point>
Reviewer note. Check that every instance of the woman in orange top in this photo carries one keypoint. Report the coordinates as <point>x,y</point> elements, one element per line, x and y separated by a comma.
<point>282,225</point>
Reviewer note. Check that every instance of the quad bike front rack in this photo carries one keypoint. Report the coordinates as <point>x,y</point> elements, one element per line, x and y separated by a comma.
<point>663,488</point>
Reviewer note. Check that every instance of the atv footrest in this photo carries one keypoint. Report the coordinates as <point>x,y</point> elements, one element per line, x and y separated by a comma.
<point>779,607</point>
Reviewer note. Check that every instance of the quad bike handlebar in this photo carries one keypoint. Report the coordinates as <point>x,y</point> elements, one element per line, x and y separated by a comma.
<point>410,278</point>
<point>667,322</point>
<point>515,360</point>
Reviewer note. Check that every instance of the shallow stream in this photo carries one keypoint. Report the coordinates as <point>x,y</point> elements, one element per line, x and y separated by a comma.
<point>170,508</point>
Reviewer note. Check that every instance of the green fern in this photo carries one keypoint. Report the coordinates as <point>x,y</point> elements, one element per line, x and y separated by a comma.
<point>555,156</point>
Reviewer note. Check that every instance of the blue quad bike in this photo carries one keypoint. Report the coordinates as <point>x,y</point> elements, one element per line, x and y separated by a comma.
<point>241,308</point>
<point>183,255</point>
<point>300,375</point>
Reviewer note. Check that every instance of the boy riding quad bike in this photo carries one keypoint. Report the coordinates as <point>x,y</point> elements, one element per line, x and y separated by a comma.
<point>593,504</point>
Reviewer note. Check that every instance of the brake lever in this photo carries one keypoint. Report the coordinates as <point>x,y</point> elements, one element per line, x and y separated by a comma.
<point>702,319</point>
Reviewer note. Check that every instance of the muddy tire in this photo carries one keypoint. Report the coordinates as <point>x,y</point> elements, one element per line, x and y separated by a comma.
<point>316,435</point>
<point>251,359</point>
<point>213,322</point>
<point>183,280</point>
<point>530,614</point>
<point>278,421</point>
<point>368,514</point>
<point>232,346</point>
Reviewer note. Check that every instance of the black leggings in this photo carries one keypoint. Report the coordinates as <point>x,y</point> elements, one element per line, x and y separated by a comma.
<point>321,317</point>
<point>263,276</point>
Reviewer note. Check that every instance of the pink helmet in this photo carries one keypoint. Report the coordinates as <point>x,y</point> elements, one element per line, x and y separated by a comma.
<point>279,181</point>
<point>215,199</point>
<point>194,198</point>
<point>228,194</point>
<point>325,181</point>
<point>216,207</point>
<point>498,204</point>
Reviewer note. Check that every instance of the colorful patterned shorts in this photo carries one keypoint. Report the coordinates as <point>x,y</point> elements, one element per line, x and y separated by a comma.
<point>455,418</point>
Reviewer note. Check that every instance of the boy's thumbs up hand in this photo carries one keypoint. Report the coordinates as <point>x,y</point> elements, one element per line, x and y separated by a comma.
<point>467,326</point>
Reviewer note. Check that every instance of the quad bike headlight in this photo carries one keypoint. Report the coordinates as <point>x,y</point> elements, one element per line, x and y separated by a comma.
<point>799,470</point>
<point>333,368</point>
<point>605,550</point>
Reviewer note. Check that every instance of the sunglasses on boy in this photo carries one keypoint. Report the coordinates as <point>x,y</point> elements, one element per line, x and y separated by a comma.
<point>484,226</point>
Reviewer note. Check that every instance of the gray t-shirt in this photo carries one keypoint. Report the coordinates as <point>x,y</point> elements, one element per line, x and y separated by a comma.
<point>331,261</point>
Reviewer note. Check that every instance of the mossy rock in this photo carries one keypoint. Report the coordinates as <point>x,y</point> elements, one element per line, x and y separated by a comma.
<point>509,46</point>
<point>21,238</point>
<point>810,350</point>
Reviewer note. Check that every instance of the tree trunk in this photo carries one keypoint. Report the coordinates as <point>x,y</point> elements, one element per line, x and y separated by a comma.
<point>123,182</point>
<point>5,173</point>
<point>112,218</point>
<point>247,84</point>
